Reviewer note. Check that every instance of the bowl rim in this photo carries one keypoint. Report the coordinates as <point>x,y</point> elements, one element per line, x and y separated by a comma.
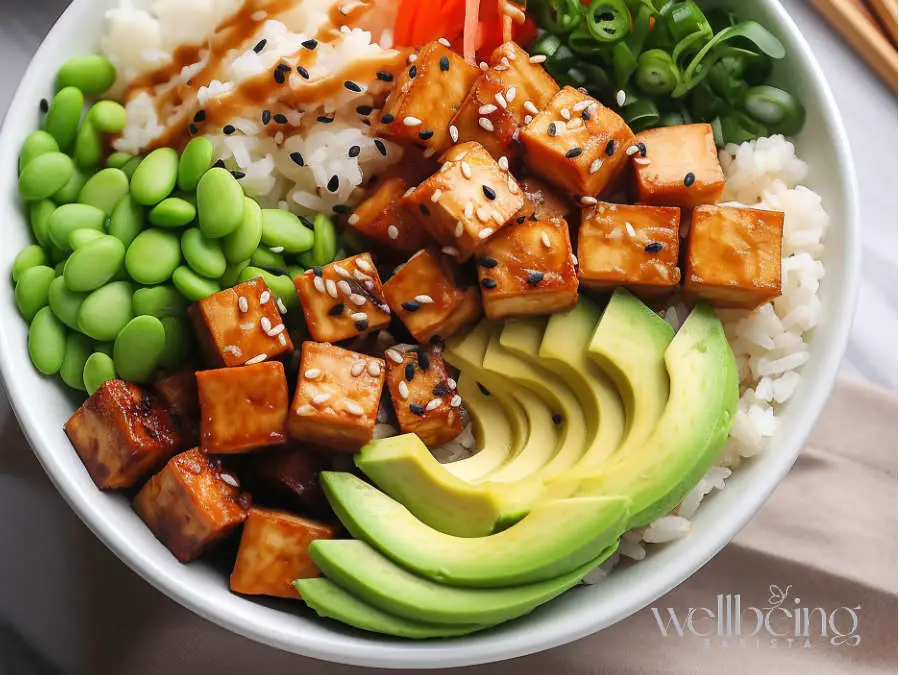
<point>442,654</point>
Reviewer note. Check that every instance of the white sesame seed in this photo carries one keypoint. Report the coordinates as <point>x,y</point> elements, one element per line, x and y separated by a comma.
<point>331,288</point>
<point>363,264</point>
<point>460,229</point>
<point>392,231</point>
<point>342,271</point>
<point>513,186</point>
<point>545,239</point>
<point>487,109</point>
<point>350,6</point>
<point>242,304</point>
<point>264,297</point>
<point>565,113</point>
<point>232,349</point>
<point>344,287</point>
<point>318,399</point>
<point>359,316</point>
<point>643,161</point>
<point>357,299</point>
<point>503,163</point>
<point>586,200</point>
<point>312,373</point>
<point>451,383</point>
<point>501,68</point>
<point>465,168</point>
<point>456,401</point>
<point>435,197</point>
<point>486,232</point>
<point>353,219</point>
<point>595,166</point>
<point>630,229</point>
<point>574,123</point>
<point>433,404</point>
<point>403,389</point>
<point>620,97</point>
<point>510,94</point>
<point>500,99</point>
<point>505,61</point>
<point>485,124</point>
<point>580,105</point>
<point>374,368</point>
<point>454,133</point>
<point>247,326</point>
<point>409,192</point>
<point>276,249</point>
<point>275,330</point>
<point>357,368</point>
<point>530,107</point>
<point>424,299</point>
<point>444,42</point>
<point>354,409</point>
<point>632,150</point>
<point>412,58</point>
<point>483,65</point>
<point>574,259</point>
<point>429,152</point>
<point>483,214</point>
<point>516,134</point>
<point>469,210</point>
<point>265,323</point>
<point>411,121</point>
<point>282,308</point>
<point>305,409</point>
<point>259,358</point>
<point>537,58</point>
<point>394,355</point>
<point>498,217</point>
<point>527,120</point>
<point>449,250</point>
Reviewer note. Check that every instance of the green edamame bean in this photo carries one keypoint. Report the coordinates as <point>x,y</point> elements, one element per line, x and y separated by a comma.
<point>63,117</point>
<point>177,342</point>
<point>70,217</point>
<point>324,248</point>
<point>240,244</point>
<point>138,347</point>
<point>172,212</point>
<point>263,257</point>
<point>117,160</point>
<point>129,167</point>
<point>92,74</point>
<point>104,312</point>
<point>104,189</point>
<point>32,290</point>
<point>28,257</point>
<point>36,143</point>
<point>93,264</point>
<point>78,349</point>
<point>108,117</point>
<point>98,369</point>
<point>65,303</point>
<point>70,191</point>
<point>88,146</point>
<point>232,273</point>
<point>45,175</point>
<point>79,238</point>
<point>195,161</point>
<point>220,203</point>
<point>192,286</point>
<point>158,301</point>
<point>127,220</point>
<point>155,177</point>
<point>153,256</point>
<point>204,255</point>
<point>47,342</point>
<point>283,228</point>
<point>39,218</point>
<point>281,285</point>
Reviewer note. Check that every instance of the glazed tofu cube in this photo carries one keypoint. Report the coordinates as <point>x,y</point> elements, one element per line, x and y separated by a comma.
<point>467,201</point>
<point>423,399</point>
<point>287,478</point>
<point>274,550</point>
<point>502,100</point>
<point>191,504</point>
<point>429,299</point>
<point>680,167</point>
<point>240,324</point>
<point>426,97</point>
<point>542,201</point>
<point>527,270</point>
<point>384,221</point>
<point>577,143</point>
<point>178,393</point>
<point>343,299</point>
<point>734,256</point>
<point>122,433</point>
<point>243,408</point>
<point>630,245</point>
<point>337,397</point>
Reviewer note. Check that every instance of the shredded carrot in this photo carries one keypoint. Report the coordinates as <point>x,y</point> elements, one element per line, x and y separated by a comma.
<point>470,30</point>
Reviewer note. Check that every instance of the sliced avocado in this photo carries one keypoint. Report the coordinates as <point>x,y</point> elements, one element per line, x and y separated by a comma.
<point>403,467</point>
<point>330,601</point>
<point>375,579</point>
<point>555,538</point>
<point>692,429</point>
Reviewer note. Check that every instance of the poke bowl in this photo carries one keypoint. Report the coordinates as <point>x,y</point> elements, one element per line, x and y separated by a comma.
<point>412,339</point>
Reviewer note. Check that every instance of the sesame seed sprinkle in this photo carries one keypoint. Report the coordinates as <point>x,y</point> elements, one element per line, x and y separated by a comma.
<point>456,401</point>
<point>433,404</point>
<point>513,186</point>
<point>469,210</point>
<point>545,239</point>
<point>595,166</point>
<point>483,214</point>
<point>586,200</point>
<point>282,308</point>
<point>354,409</point>
<point>527,120</point>
<point>689,179</point>
<point>454,133</point>
<point>486,232</point>
<point>265,323</point>
<point>265,296</point>
<point>310,44</point>
<point>359,316</point>
<point>489,192</point>
<point>436,195</point>
<point>374,368</point>
<point>460,229</point>
<point>331,288</point>
<point>621,98</point>
<point>318,399</point>
<point>632,150</point>
<point>424,299</point>
<point>574,152</point>
<point>510,94</point>
<point>551,129</point>
<point>394,355</point>
<point>411,121</point>
<point>379,144</point>
<point>259,358</point>
<point>487,109</point>
<point>344,287</point>
<point>465,168</point>
<point>450,251</point>
<point>242,304</point>
<point>412,58</point>
<point>654,247</point>
<point>357,299</point>
<point>392,231</point>
<point>643,161</point>
<point>537,58</point>
<point>312,373</point>
<point>483,65</point>
<point>319,284</point>
<point>630,230</point>
<point>530,107</point>
<point>500,99</point>
<point>357,368</point>
<point>416,409</point>
<point>444,42</point>
<point>565,113</point>
<point>297,159</point>
<point>485,124</point>
<point>341,271</point>
<point>353,219</point>
<point>303,72</point>
<point>403,390</point>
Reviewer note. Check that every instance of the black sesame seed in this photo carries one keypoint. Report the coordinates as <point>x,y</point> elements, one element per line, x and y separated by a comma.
<point>333,183</point>
<point>435,339</point>
<point>307,221</point>
<point>489,192</point>
<point>384,76</point>
<point>303,72</point>
<point>424,209</point>
<point>409,371</point>
<point>364,110</point>
<point>238,174</point>
<point>279,76</point>
<point>426,134</point>
<point>413,72</point>
<point>416,409</point>
<point>557,419</point>
<point>424,363</point>
<point>551,129</point>
<point>521,219</point>
<point>361,325</point>
<point>324,119</point>
<point>610,148</point>
<point>585,114</point>
<point>352,86</point>
<point>340,209</point>
<point>297,159</point>
<point>411,306</point>
<point>689,179</point>
<point>387,118</point>
<point>228,129</point>
<point>440,389</point>
<point>219,164</point>
<point>354,151</point>
<point>280,118</point>
<point>534,278</point>
<point>487,261</point>
<point>483,389</point>
<point>379,144</point>
<point>283,67</point>
<point>317,271</point>
<point>266,116</point>
<point>337,309</point>
<point>489,284</point>
<point>200,116</point>
<point>310,44</point>
<point>533,217</point>
<point>259,46</point>
<point>45,105</point>
<point>444,63</point>
<point>277,271</point>
<point>654,247</point>
<point>574,152</point>
<point>192,128</point>
<point>642,148</point>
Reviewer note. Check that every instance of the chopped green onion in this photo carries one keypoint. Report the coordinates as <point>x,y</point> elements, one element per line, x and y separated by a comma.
<point>546,44</point>
<point>657,73</point>
<point>642,114</point>
<point>739,128</point>
<point>777,109</point>
<point>608,20</point>
<point>559,16</point>
<point>685,18</point>
<point>624,62</point>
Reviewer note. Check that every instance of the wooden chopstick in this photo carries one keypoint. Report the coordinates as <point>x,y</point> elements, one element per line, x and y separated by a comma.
<point>888,13</point>
<point>865,38</point>
<point>865,12</point>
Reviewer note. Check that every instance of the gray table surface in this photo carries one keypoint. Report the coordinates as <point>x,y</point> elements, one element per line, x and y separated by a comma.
<point>70,598</point>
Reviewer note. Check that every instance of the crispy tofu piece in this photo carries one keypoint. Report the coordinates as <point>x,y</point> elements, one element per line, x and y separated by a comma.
<point>504,98</point>
<point>383,220</point>
<point>243,408</point>
<point>233,331</point>
<point>178,393</point>
<point>426,97</point>
<point>427,297</point>
<point>424,402</point>
<point>122,433</point>
<point>577,143</point>
<point>337,397</point>
<point>542,201</point>
<point>467,201</point>
<point>630,245</point>
<point>680,167</point>
<point>527,270</point>
<point>274,550</point>
<point>191,504</point>
<point>734,256</point>
<point>343,299</point>
<point>287,478</point>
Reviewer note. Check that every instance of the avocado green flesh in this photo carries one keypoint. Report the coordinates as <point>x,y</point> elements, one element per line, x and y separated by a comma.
<point>535,549</point>
<point>691,431</point>
<point>375,579</point>
<point>330,601</point>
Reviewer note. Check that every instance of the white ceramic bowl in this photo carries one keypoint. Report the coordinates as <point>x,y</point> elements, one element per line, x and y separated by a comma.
<point>42,406</point>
